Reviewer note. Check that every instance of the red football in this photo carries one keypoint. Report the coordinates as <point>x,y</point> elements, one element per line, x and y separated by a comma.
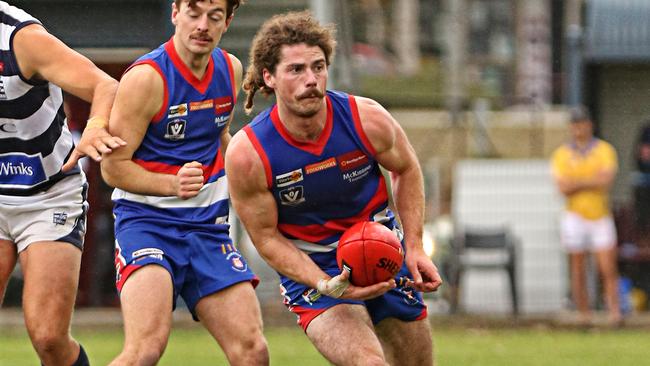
<point>371,252</point>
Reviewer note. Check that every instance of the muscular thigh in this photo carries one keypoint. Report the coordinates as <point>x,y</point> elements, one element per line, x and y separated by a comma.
<point>406,343</point>
<point>51,276</point>
<point>343,333</point>
<point>7,264</point>
<point>231,314</point>
<point>146,299</point>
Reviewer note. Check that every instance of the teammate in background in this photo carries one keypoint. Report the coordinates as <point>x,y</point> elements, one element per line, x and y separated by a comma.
<point>304,171</point>
<point>584,170</point>
<point>42,187</point>
<point>174,108</point>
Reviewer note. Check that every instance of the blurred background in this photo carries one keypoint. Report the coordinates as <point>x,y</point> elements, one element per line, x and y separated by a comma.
<point>481,87</point>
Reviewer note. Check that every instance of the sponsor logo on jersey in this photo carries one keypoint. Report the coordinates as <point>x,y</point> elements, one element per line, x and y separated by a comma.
<point>59,218</point>
<point>222,105</point>
<point>288,179</point>
<point>357,174</point>
<point>21,169</point>
<point>147,251</point>
<point>142,254</point>
<point>175,129</point>
<point>236,262</point>
<point>320,166</point>
<point>16,169</point>
<point>204,104</point>
<point>179,110</point>
<point>292,196</point>
<point>352,160</point>
<point>221,120</point>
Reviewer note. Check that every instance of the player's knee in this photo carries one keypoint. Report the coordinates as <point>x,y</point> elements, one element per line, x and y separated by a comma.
<point>145,351</point>
<point>259,351</point>
<point>251,351</point>
<point>367,356</point>
<point>47,343</point>
<point>149,355</point>
<point>371,360</point>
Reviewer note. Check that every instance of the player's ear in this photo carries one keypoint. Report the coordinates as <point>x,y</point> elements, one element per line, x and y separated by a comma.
<point>228,21</point>
<point>269,79</point>
<point>174,13</point>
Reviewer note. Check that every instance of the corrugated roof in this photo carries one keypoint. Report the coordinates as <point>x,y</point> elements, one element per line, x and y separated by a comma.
<point>617,31</point>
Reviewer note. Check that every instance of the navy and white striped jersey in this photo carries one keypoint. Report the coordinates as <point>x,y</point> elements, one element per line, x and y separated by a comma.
<point>34,137</point>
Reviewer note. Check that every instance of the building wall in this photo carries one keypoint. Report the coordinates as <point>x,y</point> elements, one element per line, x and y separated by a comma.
<point>623,92</point>
<point>107,23</point>
<point>439,144</point>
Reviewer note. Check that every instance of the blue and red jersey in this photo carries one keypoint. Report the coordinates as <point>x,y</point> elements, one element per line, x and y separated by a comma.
<point>322,187</point>
<point>186,128</point>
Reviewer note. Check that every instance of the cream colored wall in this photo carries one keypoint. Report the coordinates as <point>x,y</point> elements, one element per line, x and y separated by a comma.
<point>514,134</point>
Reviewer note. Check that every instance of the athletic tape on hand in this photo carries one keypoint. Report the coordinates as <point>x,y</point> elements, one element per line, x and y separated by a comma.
<point>334,287</point>
<point>96,122</point>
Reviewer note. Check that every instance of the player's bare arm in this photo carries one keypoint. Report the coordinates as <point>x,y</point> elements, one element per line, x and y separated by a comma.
<point>138,99</point>
<point>76,75</point>
<point>395,153</point>
<point>257,210</point>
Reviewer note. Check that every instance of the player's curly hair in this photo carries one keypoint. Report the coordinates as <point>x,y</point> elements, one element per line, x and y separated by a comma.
<point>284,29</point>
<point>231,6</point>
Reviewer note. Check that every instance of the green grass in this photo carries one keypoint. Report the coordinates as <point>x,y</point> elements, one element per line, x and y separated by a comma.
<point>454,345</point>
<point>545,346</point>
<point>187,346</point>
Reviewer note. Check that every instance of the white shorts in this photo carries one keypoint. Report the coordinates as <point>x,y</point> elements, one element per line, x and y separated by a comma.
<point>57,214</point>
<point>579,234</point>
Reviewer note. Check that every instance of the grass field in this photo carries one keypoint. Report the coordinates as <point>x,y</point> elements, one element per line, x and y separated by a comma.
<point>455,345</point>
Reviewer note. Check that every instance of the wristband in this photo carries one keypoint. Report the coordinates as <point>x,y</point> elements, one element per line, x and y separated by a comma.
<point>96,122</point>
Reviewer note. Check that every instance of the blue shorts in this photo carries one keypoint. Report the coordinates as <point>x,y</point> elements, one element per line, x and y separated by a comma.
<point>200,262</point>
<point>402,302</point>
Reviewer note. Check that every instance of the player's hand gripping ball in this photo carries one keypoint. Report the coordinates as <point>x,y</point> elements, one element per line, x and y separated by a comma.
<point>371,252</point>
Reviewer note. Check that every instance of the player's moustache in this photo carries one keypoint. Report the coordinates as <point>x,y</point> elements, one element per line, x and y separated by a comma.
<point>203,36</point>
<point>310,93</point>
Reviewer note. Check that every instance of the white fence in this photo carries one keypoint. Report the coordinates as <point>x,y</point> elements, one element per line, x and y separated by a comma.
<point>519,194</point>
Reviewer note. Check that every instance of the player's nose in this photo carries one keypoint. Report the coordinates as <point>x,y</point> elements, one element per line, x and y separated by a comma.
<point>310,78</point>
<point>202,24</point>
